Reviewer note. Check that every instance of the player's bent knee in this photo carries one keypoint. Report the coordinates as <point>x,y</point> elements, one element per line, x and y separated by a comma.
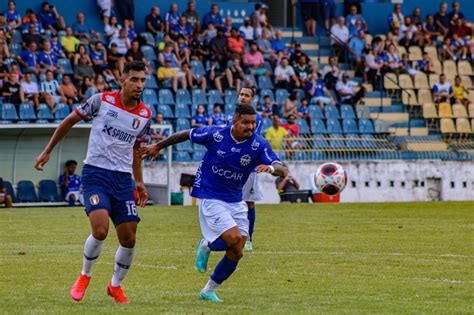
<point>128,242</point>
<point>235,254</point>
<point>100,233</point>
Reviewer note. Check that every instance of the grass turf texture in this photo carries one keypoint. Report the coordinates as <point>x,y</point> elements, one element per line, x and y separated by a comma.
<point>346,258</point>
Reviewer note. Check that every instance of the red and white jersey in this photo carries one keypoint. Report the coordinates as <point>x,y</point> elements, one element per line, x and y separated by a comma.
<point>115,129</point>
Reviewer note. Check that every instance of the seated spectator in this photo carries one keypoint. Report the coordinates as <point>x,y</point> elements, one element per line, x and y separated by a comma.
<point>218,47</point>
<point>30,90</point>
<point>122,42</point>
<point>83,70</point>
<point>199,50</point>
<point>303,111</point>
<point>112,29</point>
<point>235,75</point>
<point>3,23</point>
<point>291,105</point>
<point>100,85</point>
<point>215,75</point>
<point>49,60</point>
<point>228,27</point>
<point>276,134</point>
<point>213,17</point>
<point>373,66</point>
<point>266,107</point>
<point>406,32</point>
<point>446,51</point>
<point>339,36</point>
<point>217,118</point>
<point>286,184</point>
<point>285,77</point>
<point>68,91</point>
<point>69,42</point>
<point>50,91</point>
<point>210,33</point>
<point>30,36</point>
<point>116,61</point>
<point>16,70</point>
<point>458,43</point>
<point>5,198</point>
<point>86,89</point>
<point>12,92</point>
<point>396,18</point>
<point>394,61</point>
<point>127,25</point>
<point>468,53</point>
<point>135,54</point>
<point>265,47</point>
<point>192,79</point>
<point>29,59</point>
<point>192,16</point>
<point>172,17</point>
<point>460,28</point>
<point>13,17</point>
<point>82,31</point>
<point>345,90</point>
<point>81,52</point>
<point>331,73</point>
<point>56,46</point>
<point>159,134</point>
<point>302,72</point>
<point>318,92</point>
<point>236,44</point>
<point>431,29</point>
<point>71,184</point>
<point>181,29</point>
<point>442,19</point>
<point>278,44</point>
<point>4,51</point>
<point>253,60</point>
<point>153,22</point>
<point>182,49</point>
<point>50,18</point>
<point>200,119</point>
<point>408,65</point>
<point>3,71</point>
<point>416,16</point>
<point>168,55</point>
<point>168,73</point>
<point>247,30</point>
<point>443,91</point>
<point>33,21</point>
<point>292,137</point>
<point>354,17</point>
<point>426,64</point>
<point>356,48</point>
<point>460,93</point>
<point>98,56</point>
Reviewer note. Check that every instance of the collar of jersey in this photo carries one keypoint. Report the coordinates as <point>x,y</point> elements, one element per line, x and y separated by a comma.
<point>123,106</point>
<point>235,140</point>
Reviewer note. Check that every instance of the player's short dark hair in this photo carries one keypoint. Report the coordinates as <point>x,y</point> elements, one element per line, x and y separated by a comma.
<point>71,162</point>
<point>243,109</point>
<point>134,66</point>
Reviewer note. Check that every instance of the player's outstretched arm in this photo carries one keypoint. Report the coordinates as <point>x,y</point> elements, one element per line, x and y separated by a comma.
<point>138,175</point>
<point>58,134</point>
<point>154,149</point>
<point>276,169</point>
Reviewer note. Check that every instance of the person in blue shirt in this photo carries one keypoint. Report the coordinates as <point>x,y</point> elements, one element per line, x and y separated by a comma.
<point>12,15</point>
<point>356,48</point>
<point>82,31</point>
<point>200,119</point>
<point>181,29</point>
<point>318,92</point>
<point>56,46</point>
<point>29,59</point>
<point>50,18</point>
<point>213,17</point>
<point>278,44</point>
<point>217,118</point>
<point>33,20</point>
<point>172,17</point>
<point>233,153</point>
<point>71,184</point>
<point>354,17</point>
<point>48,60</point>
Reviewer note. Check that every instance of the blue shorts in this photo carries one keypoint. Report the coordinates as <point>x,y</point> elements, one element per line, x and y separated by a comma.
<point>110,190</point>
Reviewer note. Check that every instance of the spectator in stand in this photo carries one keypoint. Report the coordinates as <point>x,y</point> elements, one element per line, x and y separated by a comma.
<point>442,19</point>
<point>339,36</point>
<point>286,184</point>
<point>167,73</point>
<point>193,18</point>
<point>458,43</point>
<point>12,91</point>
<point>303,111</point>
<point>345,90</point>
<point>406,32</point>
<point>29,59</point>
<point>248,30</point>
<point>100,85</point>
<point>83,70</point>
<point>394,61</point>
<point>50,91</point>
<point>431,29</point>
<point>285,77</point>
<point>236,44</point>
<point>106,10</point>
<point>16,70</point>
<point>193,80</point>
<point>160,133</point>
<point>296,54</point>
<point>30,90</point>
<point>168,55</point>
<point>71,184</point>
<point>69,42</point>
<point>182,29</point>
<point>172,17</point>
<point>302,72</point>
<point>199,51</point>
<point>267,107</point>
<point>356,51</point>
<point>408,65</point>
<point>210,33</point>
<point>31,36</point>
<point>5,198</point>
<point>3,23</point>
<point>461,28</point>
<point>122,42</point>
<point>86,89</point>
<point>81,51</point>
<point>228,26</point>
<point>200,119</point>
<point>328,8</point>
<point>215,76</point>
<point>13,17</point>
<point>3,71</point>
<point>98,56</point>
<point>293,131</point>
<point>33,21</point>
<point>56,46</point>
<point>278,44</point>
<point>112,29</point>
<point>235,75</point>
<point>331,73</point>
<point>126,9</point>
<point>219,47</point>
<point>82,31</point>
<point>253,60</point>
<point>456,13</point>
<point>213,17</point>
<point>426,64</point>
<point>443,91</point>
<point>468,53</point>
<point>318,92</point>
<point>153,21</point>
<point>396,18</point>
<point>291,105</point>
<point>68,91</point>
<point>50,18</point>
<point>310,11</point>
<point>127,25</point>
<point>49,60</point>
<point>416,16</point>
<point>4,51</point>
<point>446,51</point>
<point>276,134</point>
<point>217,118</point>
<point>460,92</point>
<point>265,47</point>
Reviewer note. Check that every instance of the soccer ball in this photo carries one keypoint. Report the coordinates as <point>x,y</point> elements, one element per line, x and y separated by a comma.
<point>331,178</point>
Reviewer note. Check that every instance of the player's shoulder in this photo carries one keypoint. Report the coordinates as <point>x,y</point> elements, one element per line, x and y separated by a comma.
<point>113,98</point>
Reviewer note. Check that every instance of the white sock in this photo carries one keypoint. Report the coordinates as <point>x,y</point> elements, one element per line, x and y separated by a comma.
<point>205,245</point>
<point>211,285</point>
<point>123,260</point>
<point>92,250</point>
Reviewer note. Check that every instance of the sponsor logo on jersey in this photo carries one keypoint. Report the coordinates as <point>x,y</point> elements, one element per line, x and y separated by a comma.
<point>217,136</point>
<point>197,179</point>
<point>245,160</point>
<point>267,155</point>
<point>235,150</point>
<point>220,153</point>
<point>112,113</point>
<point>226,173</point>
<point>94,199</point>
<point>110,99</point>
<point>118,134</point>
<point>136,123</point>
<point>143,112</point>
<point>255,145</point>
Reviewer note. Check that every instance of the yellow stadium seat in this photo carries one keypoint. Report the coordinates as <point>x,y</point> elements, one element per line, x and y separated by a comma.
<point>421,81</point>
<point>472,124</point>
<point>415,53</point>
<point>471,110</point>
<point>434,78</point>
<point>459,111</point>
<point>444,110</point>
<point>466,81</point>
<point>401,50</point>
<point>390,81</point>
<point>429,111</point>
<point>409,98</point>
<point>447,125</point>
<point>405,81</point>
<point>424,96</point>
<point>462,126</point>
<point>449,68</point>
<point>432,52</point>
<point>437,68</point>
<point>464,68</point>
<point>470,96</point>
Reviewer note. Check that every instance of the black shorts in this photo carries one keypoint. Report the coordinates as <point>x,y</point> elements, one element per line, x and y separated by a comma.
<point>310,11</point>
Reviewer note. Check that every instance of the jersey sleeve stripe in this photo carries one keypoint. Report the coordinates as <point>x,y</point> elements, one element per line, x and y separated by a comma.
<point>82,115</point>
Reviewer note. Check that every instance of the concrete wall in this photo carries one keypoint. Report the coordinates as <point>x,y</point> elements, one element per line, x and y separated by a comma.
<point>373,180</point>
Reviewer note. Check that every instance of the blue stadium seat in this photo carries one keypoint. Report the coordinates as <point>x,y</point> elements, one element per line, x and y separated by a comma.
<point>26,191</point>
<point>151,82</point>
<point>318,126</point>
<point>198,155</point>
<point>319,142</point>
<point>198,97</point>
<point>336,142</point>
<point>268,66</point>
<point>199,147</point>
<point>48,191</point>
<point>214,97</point>
<point>150,40</point>
<point>149,97</point>
<point>182,157</point>
<point>17,37</point>
<point>62,111</point>
<point>366,126</point>
<point>15,48</point>
<point>7,62</point>
<point>229,108</point>
<point>265,92</point>
<point>27,112</point>
<point>198,68</point>
<point>267,123</point>
<point>9,112</point>
<point>303,125</point>
<point>331,111</point>
<point>183,97</point>
<point>265,82</point>
<point>149,53</point>
<point>182,124</point>
<point>349,126</point>
<point>184,146</point>
<point>10,190</point>
<point>66,66</point>
<point>368,142</point>
<point>230,97</point>
<point>301,94</point>
<point>182,111</point>
<point>281,95</point>
<point>166,111</point>
<point>153,111</point>
<point>347,112</point>
<point>44,114</point>
<point>165,97</point>
<point>333,126</point>
<point>353,142</point>
<point>250,81</point>
<point>315,112</point>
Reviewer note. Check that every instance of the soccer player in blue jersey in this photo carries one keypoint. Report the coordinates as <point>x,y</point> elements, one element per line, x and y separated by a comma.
<point>71,184</point>
<point>233,153</point>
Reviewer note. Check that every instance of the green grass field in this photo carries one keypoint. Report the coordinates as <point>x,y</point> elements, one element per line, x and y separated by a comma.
<point>347,258</point>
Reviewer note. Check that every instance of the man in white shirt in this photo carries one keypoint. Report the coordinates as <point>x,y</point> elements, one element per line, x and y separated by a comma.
<point>284,74</point>
<point>405,34</point>
<point>443,90</point>
<point>345,90</point>
<point>339,36</point>
<point>30,89</point>
<point>123,42</point>
<point>247,30</point>
<point>331,73</point>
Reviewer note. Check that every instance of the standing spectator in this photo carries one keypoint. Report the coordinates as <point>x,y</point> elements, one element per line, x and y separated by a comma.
<point>182,29</point>
<point>253,60</point>
<point>310,11</point>
<point>29,59</point>
<point>349,3</point>
<point>339,36</point>
<point>416,17</point>
<point>353,17</point>
<point>50,18</point>
<point>5,198</point>
<point>68,91</point>
<point>48,60</point>
<point>200,119</point>
<point>193,18</point>
<point>219,47</point>
<point>406,32</point>
<point>167,73</point>
<point>328,8</point>
<point>13,17</point>
<point>236,44</point>
<point>217,118</point>
<point>122,42</point>
<point>443,91</point>
<point>425,64</point>
<point>228,26</point>
<point>345,90</point>
<point>112,29</point>
<point>456,13</point>
<point>153,21</point>
<point>235,75</point>
<point>71,184</point>
<point>442,19</point>
<point>172,17</point>
<point>50,91</point>
<point>247,30</point>
<point>318,92</point>
<point>126,9</point>
<point>265,47</point>
<point>276,134</point>
<point>83,70</point>
<point>69,42</point>
<point>395,19</point>
<point>82,31</point>
<point>302,72</point>
<point>285,76</point>
<point>12,91</point>
<point>106,9</point>
<point>213,17</point>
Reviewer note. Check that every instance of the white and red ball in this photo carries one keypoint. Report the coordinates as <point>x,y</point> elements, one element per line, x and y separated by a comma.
<point>331,178</point>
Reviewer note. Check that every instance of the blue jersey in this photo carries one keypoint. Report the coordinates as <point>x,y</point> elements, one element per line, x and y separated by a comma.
<point>218,119</point>
<point>227,164</point>
<point>201,119</point>
<point>258,129</point>
<point>74,183</point>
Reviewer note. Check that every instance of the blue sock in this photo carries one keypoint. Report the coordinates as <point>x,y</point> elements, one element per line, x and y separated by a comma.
<point>218,245</point>
<point>72,203</point>
<point>251,217</point>
<point>223,270</point>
